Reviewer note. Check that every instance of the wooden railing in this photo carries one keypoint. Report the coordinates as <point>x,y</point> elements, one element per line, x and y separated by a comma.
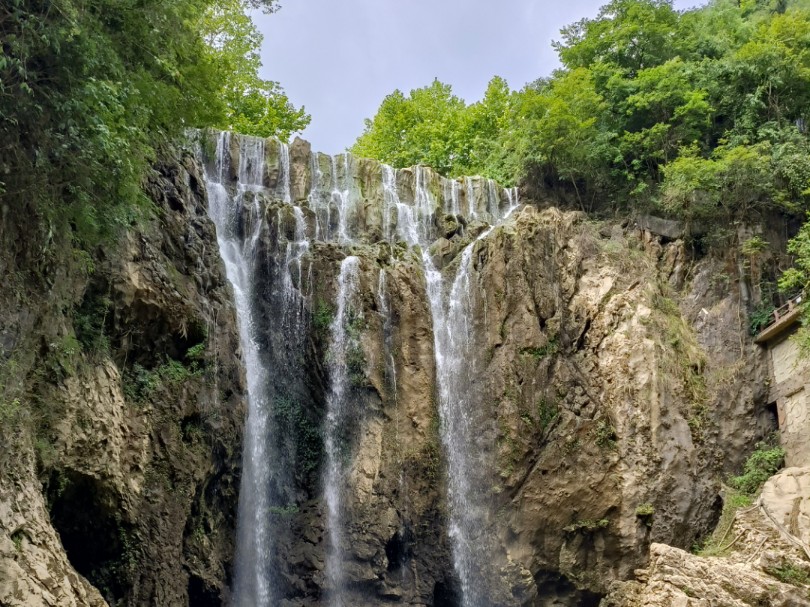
<point>782,311</point>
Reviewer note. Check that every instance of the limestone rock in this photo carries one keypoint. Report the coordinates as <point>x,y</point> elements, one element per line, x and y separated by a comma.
<point>125,446</point>
<point>677,578</point>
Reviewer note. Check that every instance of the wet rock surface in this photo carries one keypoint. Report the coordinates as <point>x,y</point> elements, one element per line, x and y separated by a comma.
<point>125,434</point>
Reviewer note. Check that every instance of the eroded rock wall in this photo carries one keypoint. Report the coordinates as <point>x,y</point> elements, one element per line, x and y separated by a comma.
<point>614,387</point>
<point>123,400</point>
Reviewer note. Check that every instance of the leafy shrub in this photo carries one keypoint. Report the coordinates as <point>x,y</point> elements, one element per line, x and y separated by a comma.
<point>587,526</point>
<point>790,574</point>
<point>760,317</point>
<point>760,466</point>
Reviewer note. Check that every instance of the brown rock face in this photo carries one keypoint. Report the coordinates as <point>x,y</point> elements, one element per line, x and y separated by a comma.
<point>611,393</point>
<point>762,558</point>
<point>610,386</point>
<point>123,399</point>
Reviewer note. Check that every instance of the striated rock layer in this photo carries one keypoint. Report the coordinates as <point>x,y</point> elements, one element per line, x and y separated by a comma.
<point>122,407</point>
<point>609,383</point>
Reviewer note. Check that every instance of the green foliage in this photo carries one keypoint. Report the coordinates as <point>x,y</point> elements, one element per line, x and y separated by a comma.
<point>605,434</point>
<point>196,352</point>
<point>587,526</point>
<point>427,126</point>
<point>284,511</point>
<point>760,317</point>
<point>645,513</point>
<point>702,112</point>
<point>549,349</point>
<point>88,322</point>
<point>90,89</point>
<point>322,318</point>
<point>547,412</point>
<point>628,34</point>
<point>718,543</point>
<point>9,411</point>
<point>141,383</point>
<point>355,356</point>
<point>63,355</point>
<point>789,573</point>
<point>797,279</point>
<point>45,450</point>
<point>253,106</point>
<point>303,433</point>
<point>17,537</point>
<point>759,467</point>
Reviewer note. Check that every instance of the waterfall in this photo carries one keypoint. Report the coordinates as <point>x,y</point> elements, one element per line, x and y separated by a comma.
<point>341,196</point>
<point>453,339</point>
<point>321,208</point>
<point>237,202</point>
<point>284,178</point>
<point>472,210</point>
<point>343,343</point>
<point>293,283</point>
<point>453,350</point>
<point>455,354</point>
<point>237,216</point>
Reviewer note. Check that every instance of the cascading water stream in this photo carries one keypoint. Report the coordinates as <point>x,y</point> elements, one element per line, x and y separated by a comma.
<point>342,342</point>
<point>293,283</point>
<point>237,216</point>
<point>341,196</point>
<point>454,351</point>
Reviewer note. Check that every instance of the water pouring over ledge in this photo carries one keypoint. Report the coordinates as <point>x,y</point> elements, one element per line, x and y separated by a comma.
<point>409,206</point>
<point>236,212</point>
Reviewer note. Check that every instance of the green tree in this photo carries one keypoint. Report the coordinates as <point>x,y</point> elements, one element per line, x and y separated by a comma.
<point>428,126</point>
<point>253,106</point>
<point>629,34</point>
<point>89,89</point>
<point>485,121</point>
<point>559,134</point>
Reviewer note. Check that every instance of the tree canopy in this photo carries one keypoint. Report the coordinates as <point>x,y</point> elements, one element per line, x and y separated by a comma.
<point>89,88</point>
<point>652,107</point>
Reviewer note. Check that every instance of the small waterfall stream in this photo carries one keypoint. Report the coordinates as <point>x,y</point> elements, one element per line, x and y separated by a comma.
<point>452,311</point>
<point>343,341</point>
<point>237,215</point>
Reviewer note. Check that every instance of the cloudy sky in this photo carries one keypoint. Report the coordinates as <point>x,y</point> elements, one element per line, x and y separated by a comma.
<point>339,58</point>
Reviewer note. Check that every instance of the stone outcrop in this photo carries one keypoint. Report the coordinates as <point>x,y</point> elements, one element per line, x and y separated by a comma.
<point>615,387</point>
<point>764,558</point>
<point>122,407</point>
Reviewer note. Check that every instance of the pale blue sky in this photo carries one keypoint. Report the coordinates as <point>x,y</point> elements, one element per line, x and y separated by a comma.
<point>339,58</point>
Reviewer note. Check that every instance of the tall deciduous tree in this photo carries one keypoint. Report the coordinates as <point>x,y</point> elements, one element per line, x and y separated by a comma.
<point>89,88</point>
<point>253,105</point>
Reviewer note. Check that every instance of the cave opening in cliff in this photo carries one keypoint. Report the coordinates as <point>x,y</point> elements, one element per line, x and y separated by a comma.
<point>399,549</point>
<point>772,415</point>
<point>446,595</point>
<point>94,539</point>
<point>200,594</point>
<point>556,589</point>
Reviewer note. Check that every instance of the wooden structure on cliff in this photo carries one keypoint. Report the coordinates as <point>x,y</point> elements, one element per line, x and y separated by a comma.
<point>790,381</point>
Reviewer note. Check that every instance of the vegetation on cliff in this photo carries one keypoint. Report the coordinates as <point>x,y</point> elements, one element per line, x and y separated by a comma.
<point>88,90</point>
<point>701,113</point>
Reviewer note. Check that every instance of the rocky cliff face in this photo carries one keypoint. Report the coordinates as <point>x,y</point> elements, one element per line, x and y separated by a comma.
<point>122,409</point>
<point>613,385</point>
<point>609,386</point>
<point>762,557</point>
